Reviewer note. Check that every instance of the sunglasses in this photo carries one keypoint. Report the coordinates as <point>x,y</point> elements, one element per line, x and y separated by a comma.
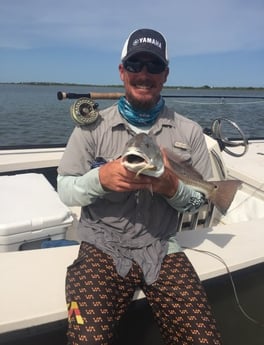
<point>153,67</point>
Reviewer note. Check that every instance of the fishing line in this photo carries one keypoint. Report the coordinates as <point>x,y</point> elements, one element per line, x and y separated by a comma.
<point>222,101</point>
<point>217,257</point>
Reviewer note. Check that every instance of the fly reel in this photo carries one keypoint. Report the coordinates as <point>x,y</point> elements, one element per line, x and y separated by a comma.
<point>84,111</point>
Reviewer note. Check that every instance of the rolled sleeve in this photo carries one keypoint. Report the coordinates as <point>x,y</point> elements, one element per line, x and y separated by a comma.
<point>186,199</point>
<point>80,190</point>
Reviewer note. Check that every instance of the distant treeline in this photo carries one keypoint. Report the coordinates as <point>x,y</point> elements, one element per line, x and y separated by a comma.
<point>119,86</point>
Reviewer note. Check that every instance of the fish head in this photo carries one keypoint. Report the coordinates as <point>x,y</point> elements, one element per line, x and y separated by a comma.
<point>143,156</point>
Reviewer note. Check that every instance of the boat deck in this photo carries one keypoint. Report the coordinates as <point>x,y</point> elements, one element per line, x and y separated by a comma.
<point>250,167</point>
<point>239,245</point>
<point>25,159</point>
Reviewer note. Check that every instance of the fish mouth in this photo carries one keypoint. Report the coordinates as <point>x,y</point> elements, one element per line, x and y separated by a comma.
<point>141,156</point>
<point>140,165</point>
<point>136,162</point>
<point>135,159</point>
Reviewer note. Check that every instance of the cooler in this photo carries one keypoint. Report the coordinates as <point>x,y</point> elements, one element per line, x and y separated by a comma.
<point>30,212</point>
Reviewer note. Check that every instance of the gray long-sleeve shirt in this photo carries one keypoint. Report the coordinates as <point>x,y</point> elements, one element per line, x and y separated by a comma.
<point>130,225</point>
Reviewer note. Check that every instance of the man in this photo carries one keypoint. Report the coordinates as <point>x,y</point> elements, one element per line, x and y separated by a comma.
<point>127,232</point>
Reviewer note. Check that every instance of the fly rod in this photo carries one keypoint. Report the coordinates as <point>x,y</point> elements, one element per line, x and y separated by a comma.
<point>116,95</point>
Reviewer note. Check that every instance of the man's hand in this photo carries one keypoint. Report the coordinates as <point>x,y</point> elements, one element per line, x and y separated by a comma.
<point>114,176</point>
<point>167,183</point>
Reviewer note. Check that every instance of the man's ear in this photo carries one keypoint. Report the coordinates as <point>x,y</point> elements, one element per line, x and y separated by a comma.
<point>167,71</point>
<point>121,71</point>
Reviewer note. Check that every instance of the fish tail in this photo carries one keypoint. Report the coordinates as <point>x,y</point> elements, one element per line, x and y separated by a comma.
<point>224,193</point>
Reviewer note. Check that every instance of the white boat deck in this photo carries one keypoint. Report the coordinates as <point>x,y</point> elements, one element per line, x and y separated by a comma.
<point>14,160</point>
<point>32,282</point>
<point>250,167</point>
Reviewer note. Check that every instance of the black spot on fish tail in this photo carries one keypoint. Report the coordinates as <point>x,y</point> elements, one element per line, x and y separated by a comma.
<point>224,193</point>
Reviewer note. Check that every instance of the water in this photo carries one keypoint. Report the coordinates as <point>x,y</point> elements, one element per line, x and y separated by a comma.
<point>32,115</point>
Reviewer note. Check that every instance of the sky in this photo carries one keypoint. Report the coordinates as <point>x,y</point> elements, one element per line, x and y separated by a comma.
<point>210,42</point>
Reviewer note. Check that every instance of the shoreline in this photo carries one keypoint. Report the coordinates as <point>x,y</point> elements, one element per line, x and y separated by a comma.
<point>204,87</point>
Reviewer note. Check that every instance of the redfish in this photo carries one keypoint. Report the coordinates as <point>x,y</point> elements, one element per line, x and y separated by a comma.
<point>143,156</point>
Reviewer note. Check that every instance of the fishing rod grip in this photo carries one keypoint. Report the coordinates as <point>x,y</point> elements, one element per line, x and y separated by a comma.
<point>94,95</point>
<point>106,95</point>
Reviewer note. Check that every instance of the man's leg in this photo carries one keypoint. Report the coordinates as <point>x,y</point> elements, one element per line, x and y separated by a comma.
<point>97,297</point>
<point>180,304</point>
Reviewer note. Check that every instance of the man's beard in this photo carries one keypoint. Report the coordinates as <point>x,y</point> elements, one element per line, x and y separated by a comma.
<point>142,104</point>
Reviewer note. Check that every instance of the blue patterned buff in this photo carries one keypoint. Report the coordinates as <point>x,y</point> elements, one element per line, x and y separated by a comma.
<point>137,117</point>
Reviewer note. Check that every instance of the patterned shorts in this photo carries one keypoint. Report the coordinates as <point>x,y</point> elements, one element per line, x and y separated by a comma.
<point>97,297</point>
